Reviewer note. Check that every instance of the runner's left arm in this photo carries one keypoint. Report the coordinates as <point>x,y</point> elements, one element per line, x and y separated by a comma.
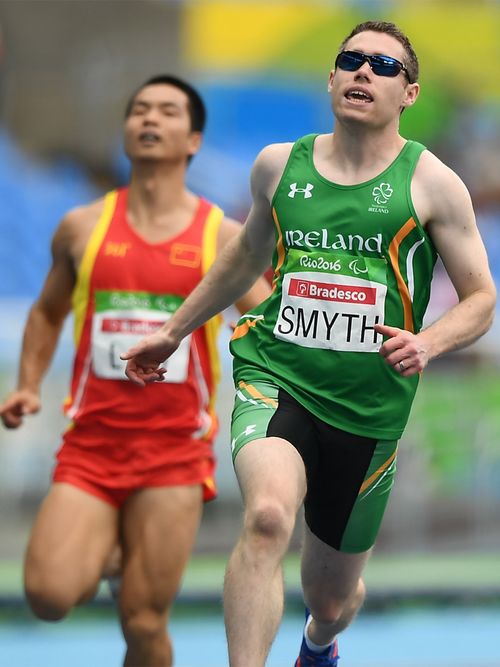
<point>452,227</point>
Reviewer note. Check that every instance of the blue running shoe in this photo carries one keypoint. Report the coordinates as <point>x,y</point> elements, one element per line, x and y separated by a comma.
<point>307,658</point>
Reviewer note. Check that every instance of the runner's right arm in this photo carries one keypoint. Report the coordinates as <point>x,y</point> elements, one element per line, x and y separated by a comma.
<point>242,260</point>
<point>42,329</point>
<point>261,289</point>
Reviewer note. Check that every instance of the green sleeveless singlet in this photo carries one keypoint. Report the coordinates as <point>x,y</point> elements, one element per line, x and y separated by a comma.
<point>346,257</point>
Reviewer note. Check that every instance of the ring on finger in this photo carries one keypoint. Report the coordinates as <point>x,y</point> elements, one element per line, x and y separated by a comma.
<point>401,366</point>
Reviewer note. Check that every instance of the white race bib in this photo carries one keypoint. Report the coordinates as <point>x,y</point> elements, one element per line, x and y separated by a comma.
<point>115,331</point>
<point>336,308</point>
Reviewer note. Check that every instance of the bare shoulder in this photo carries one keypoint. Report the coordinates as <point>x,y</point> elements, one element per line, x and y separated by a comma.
<point>274,155</point>
<point>438,192</point>
<point>82,216</point>
<point>435,173</point>
<point>75,228</point>
<point>268,168</point>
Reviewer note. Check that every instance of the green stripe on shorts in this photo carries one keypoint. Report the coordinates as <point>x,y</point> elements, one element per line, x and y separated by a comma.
<point>366,515</point>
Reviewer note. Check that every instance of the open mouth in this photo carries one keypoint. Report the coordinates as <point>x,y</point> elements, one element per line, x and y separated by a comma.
<point>358,96</point>
<point>149,138</point>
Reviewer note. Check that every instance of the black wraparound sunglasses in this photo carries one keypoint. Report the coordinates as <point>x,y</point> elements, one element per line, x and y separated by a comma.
<point>381,65</point>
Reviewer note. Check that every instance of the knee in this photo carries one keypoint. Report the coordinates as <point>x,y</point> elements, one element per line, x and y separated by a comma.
<point>143,626</point>
<point>53,592</point>
<point>47,598</point>
<point>269,521</point>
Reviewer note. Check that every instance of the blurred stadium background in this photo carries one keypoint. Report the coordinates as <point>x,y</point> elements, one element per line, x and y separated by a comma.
<point>67,68</point>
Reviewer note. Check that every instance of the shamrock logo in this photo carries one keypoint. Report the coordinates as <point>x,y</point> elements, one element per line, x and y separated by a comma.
<point>382,193</point>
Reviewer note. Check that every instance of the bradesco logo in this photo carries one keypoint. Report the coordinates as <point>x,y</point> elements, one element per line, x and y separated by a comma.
<point>129,326</point>
<point>310,289</point>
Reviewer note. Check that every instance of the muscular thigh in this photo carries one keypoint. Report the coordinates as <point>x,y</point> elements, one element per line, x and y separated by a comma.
<point>262,430</point>
<point>72,536</point>
<point>159,527</point>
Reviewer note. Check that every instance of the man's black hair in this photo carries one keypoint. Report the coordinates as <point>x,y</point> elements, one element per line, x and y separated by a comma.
<point>196,106</point>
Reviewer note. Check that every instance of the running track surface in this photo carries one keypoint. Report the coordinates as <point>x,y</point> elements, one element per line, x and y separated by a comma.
<point>419,637</point>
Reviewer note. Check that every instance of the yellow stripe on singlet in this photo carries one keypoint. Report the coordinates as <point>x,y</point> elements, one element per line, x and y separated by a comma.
<point>80,296</point>
<point>210,234</point>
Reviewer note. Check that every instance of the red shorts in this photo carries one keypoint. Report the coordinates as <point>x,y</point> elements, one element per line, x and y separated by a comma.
<point>112,467</point>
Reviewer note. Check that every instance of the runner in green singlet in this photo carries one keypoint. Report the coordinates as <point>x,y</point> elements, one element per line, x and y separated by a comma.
<point>327,367</point>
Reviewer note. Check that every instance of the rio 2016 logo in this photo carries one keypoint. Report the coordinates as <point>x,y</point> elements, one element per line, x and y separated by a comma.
<point>382,193</point>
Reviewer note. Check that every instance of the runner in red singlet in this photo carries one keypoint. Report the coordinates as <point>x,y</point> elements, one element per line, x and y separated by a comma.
<point>134,466</point>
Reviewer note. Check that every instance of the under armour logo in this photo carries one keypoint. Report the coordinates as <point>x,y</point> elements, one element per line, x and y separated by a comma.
<point>306,191</point>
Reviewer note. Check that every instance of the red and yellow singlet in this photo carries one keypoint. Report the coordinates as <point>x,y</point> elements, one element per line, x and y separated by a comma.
<point>126,288</point>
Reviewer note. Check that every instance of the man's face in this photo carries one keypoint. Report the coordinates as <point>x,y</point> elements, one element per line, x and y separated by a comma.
<point>158,127</point>
<point>365,97</point>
